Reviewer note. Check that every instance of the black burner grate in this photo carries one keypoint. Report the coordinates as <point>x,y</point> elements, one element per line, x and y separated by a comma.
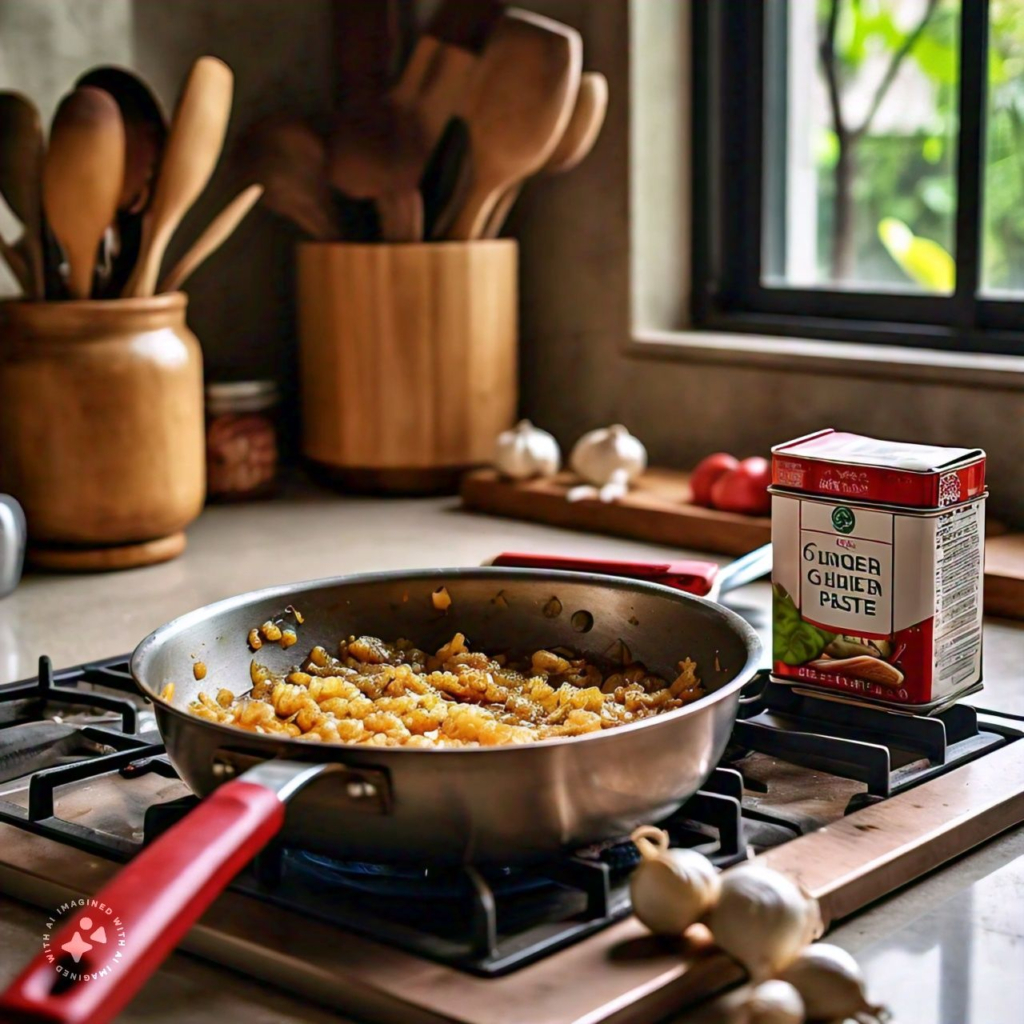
<point>887,751</point>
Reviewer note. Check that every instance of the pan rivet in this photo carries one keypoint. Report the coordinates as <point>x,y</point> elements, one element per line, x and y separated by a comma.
<point>582,621</point>
<point>361,790</point>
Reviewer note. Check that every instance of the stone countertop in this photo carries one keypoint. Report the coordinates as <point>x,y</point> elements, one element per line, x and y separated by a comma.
<point>949,950</point>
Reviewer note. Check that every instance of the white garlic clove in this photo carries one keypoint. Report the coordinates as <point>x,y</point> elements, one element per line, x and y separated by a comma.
<point>615,489</point>
<point>831,984</point>
<point>671,889</point>
<point>774,1002</point>
<point>526,451</point>
<point>583,492</point>
<point>763,920</point>
<point>598,454</point>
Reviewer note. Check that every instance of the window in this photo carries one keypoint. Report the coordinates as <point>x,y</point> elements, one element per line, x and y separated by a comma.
<point>862,165</point>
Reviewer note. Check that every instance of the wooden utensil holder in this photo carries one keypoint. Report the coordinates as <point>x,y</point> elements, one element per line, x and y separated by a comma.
<point>101,428</point>
<point>409,359</point>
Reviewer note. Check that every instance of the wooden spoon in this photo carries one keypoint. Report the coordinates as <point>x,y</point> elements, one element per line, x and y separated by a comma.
<point>584,125</point>
<point>21,164</point>
<point>145,131</point>
<point>290,159</point>
<point>216,234</point>
<point>580,135</point>
<point>82,176</point>
<point>194,144</point>
<point>145,134</point>
<point>517,107</point>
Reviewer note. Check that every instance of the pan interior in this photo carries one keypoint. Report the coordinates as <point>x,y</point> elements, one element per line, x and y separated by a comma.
<point>499,610</point>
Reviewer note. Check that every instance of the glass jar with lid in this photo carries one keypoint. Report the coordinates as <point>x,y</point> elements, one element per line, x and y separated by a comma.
<point>241,439</point>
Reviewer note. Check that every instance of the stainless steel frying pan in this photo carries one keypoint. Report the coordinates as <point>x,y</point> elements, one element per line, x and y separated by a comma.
<point>476,805</point>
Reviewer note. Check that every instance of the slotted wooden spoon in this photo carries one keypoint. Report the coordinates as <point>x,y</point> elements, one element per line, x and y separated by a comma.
<point>194,144</point>
<point>517,107</point>
<point>82,176</point>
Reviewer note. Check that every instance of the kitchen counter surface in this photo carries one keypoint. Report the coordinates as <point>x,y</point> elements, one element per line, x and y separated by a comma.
<point>949,950</point>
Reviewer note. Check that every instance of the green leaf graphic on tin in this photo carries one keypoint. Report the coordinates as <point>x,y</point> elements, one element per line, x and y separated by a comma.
<point>794,642</point>
<point>843,519</point>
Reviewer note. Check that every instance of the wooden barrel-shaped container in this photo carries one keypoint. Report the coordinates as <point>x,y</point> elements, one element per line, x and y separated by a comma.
<point>409,359</point>
<point>101,428</point>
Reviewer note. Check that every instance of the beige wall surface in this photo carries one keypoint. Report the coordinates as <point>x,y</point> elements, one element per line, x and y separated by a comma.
<point>241,300</point>
<point>576,321</point>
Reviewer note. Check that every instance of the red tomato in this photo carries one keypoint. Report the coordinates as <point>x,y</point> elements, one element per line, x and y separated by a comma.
<point>706,472</point>
<point>745,488</point>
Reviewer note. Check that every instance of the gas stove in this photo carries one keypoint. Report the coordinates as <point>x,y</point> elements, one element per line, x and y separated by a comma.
<point>853,800</point>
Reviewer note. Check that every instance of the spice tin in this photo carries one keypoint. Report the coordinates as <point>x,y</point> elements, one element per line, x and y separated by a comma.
<point>878,551</point>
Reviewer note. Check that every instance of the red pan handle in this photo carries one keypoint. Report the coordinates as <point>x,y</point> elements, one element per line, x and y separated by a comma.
<point>157,898</point>
<point>695,577</point>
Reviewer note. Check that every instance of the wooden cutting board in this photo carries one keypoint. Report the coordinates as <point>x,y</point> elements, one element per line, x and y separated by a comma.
<point>1004,575</point>
<point>658,511</point>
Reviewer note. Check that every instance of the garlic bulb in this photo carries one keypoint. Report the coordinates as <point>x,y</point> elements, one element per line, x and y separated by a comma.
<point>763,919</point>
<point>526,451</point>
<point>601,454</point>
<point>773,1002</point>
<point>831,985</point>
<point>670,888</point>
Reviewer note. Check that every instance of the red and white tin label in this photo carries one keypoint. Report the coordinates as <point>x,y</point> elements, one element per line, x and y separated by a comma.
<point>877,600</point>
<point>841,465</point>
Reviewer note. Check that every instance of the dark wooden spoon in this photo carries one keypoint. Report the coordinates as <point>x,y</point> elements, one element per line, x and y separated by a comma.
<point>145,133</point>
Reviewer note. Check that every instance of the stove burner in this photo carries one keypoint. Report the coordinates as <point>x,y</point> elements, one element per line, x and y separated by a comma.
<point>393,881</point>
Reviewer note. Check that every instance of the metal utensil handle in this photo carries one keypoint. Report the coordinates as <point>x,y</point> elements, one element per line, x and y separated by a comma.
<point>156,898</point>
<point>752,566</point>
<point>13,537</point>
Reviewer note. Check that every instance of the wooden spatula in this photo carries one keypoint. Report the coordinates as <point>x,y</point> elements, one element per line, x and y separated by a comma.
<point>580,135</point>
<point>377,152</point>
<point>290,159</point>
<point>194,144</point>
<point>217,232</point>
<point>517,107</point>
<point>82,176</point>
<point>437,73</point>
<point>21,165</point>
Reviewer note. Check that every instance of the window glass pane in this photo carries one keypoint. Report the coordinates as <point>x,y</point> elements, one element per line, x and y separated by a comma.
<point>1003,237</point>
<point>860,143</point>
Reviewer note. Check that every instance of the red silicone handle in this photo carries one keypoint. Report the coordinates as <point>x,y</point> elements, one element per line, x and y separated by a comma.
<point>692,576</point>
<point>153,903</point>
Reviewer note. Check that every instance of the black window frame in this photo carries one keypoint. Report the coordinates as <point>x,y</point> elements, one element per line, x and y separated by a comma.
<point>727,189</point>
